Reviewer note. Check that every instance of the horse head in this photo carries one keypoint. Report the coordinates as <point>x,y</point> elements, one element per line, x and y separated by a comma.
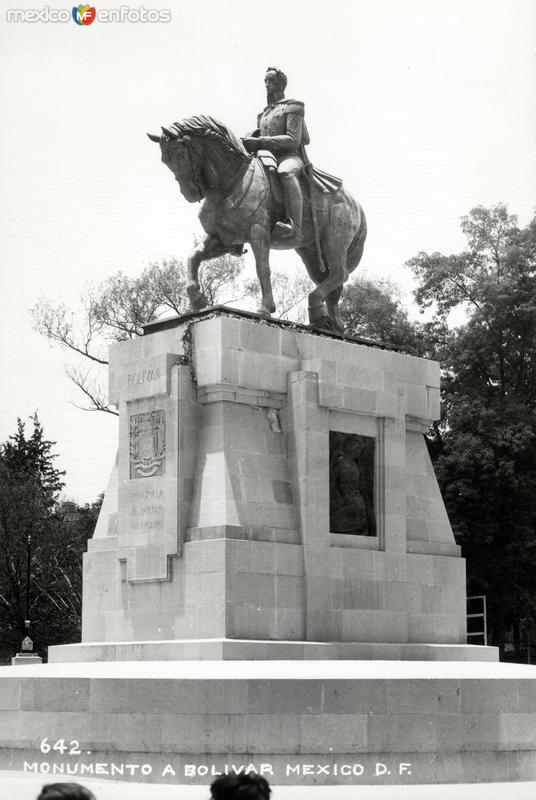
<point>202,154</point>
<point>185,161</point>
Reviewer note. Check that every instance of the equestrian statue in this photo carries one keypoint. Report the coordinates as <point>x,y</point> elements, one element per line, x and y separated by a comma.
<point>262,189</point>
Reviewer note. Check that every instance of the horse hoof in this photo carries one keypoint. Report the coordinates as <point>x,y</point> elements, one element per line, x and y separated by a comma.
<point>199,304</point>
<point>337,326</point>
<point>197,299</point>
<point>317,313</point>
<point>323,324</point>
<point>263,312</point>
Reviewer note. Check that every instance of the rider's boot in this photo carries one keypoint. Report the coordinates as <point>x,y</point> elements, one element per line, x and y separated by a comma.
<point>292,198</point>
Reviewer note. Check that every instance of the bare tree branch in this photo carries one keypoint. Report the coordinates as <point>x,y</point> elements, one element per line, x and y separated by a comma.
<point>83,380</point>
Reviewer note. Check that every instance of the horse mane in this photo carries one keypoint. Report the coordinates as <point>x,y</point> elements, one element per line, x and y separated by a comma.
<point>203,125</point>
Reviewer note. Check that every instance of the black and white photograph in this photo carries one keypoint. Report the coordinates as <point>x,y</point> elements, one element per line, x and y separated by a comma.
<point>268,409</point>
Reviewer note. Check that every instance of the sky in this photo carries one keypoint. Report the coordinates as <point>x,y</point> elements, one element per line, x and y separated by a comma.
<point>425,108</point>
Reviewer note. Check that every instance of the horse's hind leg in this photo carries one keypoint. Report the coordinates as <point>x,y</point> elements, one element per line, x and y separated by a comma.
<point>210,247</point>
<point>329,290</point>
<point>336,238</point>
<point>319,314</point>
<point>334,312</point>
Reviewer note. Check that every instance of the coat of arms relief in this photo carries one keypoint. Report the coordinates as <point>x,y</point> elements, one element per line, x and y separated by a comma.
<point>147,444</point>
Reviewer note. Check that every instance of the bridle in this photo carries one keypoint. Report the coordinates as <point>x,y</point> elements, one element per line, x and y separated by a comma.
<point>194,171</point>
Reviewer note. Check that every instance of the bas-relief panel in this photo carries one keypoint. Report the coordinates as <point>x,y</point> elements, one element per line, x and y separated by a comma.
<point>147,444</point>
<point>351,484</point>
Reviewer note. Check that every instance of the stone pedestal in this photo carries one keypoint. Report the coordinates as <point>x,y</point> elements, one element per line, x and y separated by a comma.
<point>273,583</point>
<point>22,659</point>
<point>216,523</point>
<point>27,655</point>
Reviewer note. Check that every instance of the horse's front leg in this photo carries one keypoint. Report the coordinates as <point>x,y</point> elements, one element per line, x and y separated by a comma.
<point>210,247</point>
<point>259,239</point>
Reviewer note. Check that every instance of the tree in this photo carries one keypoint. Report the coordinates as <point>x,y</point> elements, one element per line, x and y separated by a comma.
<point>58,584</point>
<point>291,292</point>
<point>34,530</point>
<point>116,310</point>
<point>373,310</point>
<point>485,447</point>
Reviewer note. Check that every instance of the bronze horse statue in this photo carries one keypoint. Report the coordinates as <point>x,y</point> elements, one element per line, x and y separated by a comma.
<point>210,164</point>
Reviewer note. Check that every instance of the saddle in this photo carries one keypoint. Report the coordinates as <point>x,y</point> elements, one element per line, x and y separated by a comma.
<point>322,181</point>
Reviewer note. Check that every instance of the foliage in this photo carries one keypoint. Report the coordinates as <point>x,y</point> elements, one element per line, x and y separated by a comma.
<point>59,589</point>
<point>485,447</point>
<point>116,310</point>
<point>290,293</point>
<point>373,310</point>
<point>34,523</point>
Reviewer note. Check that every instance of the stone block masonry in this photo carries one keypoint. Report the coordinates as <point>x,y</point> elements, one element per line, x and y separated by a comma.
<point>217,518</point>
<point>225,626</point>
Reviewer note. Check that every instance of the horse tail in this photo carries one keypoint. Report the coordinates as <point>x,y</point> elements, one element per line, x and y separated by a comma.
<point>355,250</point>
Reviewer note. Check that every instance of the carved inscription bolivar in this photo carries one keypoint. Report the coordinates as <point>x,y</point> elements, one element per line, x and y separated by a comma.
<point>143,376</point>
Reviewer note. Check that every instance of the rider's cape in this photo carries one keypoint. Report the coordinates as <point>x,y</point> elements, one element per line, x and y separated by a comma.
<point>326,182</point>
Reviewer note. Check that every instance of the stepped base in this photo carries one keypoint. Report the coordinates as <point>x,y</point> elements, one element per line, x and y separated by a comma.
<point>256,650</point>
<point>296,722</point>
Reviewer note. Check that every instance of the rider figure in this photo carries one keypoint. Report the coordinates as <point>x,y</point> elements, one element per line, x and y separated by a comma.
<point>282,131</point>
